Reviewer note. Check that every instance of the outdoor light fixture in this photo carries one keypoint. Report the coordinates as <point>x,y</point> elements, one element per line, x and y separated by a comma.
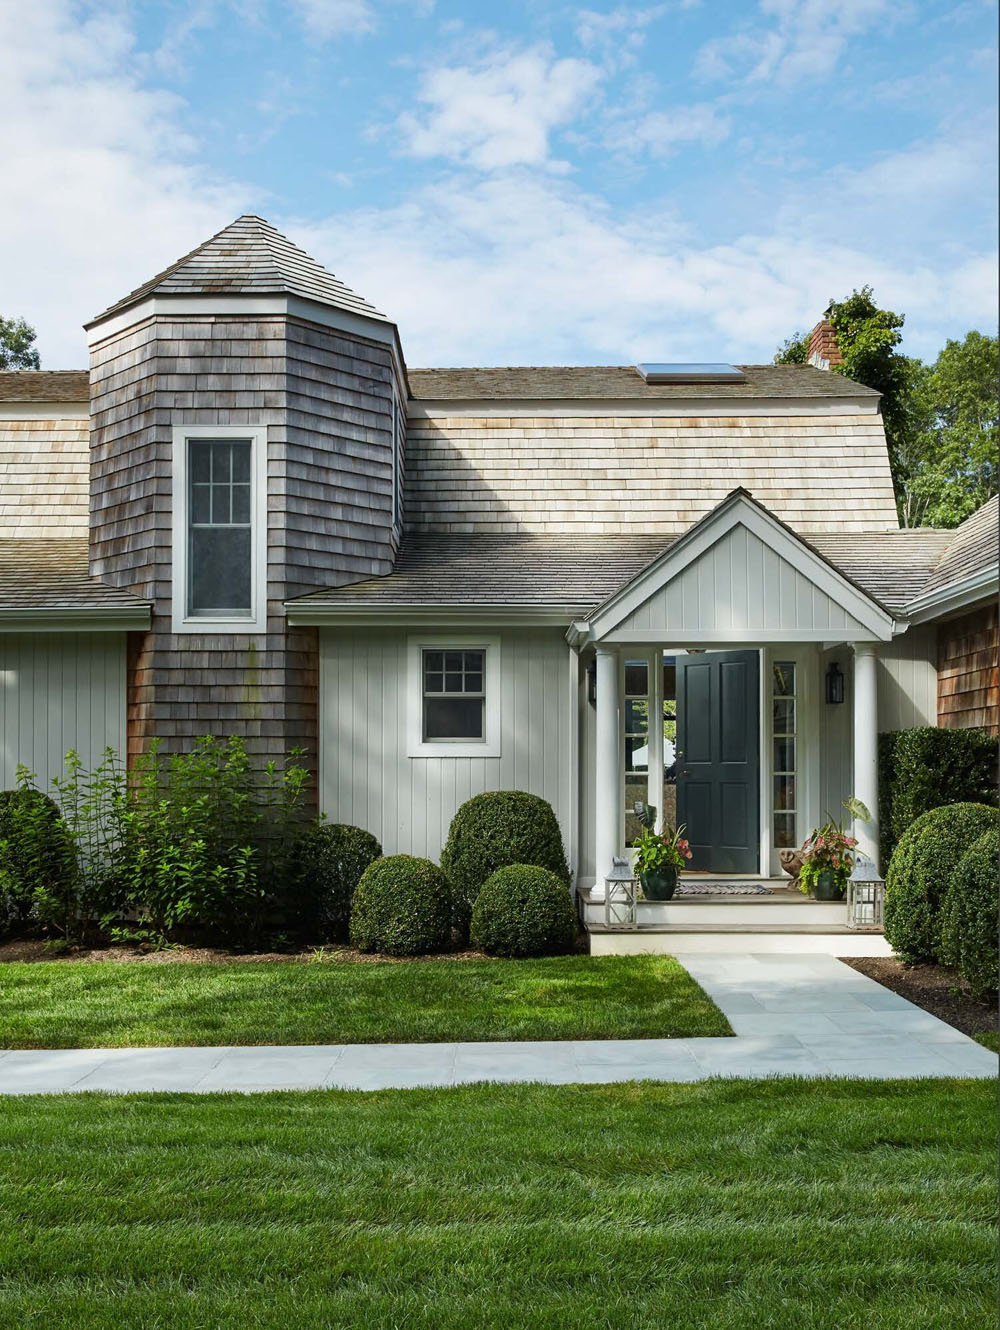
<point>834,683</point>
<point>865,896</point>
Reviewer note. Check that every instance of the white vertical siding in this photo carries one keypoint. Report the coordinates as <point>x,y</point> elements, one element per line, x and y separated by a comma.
<point>59,691</point>
<point>366,777</point>
<point>836,728</point>
<point>907,681</point>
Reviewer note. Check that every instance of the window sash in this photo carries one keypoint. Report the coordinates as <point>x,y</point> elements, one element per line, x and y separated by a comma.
<point>219,527</point>
<point>455,675</point>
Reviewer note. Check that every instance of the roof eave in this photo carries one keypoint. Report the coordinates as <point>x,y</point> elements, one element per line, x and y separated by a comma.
<point>305,613</point>
<point>75,618</point>
<point>967,591</point>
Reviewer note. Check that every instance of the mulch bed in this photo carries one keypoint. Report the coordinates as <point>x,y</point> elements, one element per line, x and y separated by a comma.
<point>937,988</point>
<point>35,951</point>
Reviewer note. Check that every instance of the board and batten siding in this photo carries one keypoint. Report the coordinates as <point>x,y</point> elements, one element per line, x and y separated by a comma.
<point>59,691</point>
<point>366,777</point>
<point>907,681</point>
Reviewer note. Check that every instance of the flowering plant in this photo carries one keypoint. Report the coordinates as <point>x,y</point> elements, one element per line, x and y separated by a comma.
<point>657,850</point>
<point>829,849</point>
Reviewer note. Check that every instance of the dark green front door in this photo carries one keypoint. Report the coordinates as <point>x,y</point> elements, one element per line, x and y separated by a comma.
<point>718,759</point>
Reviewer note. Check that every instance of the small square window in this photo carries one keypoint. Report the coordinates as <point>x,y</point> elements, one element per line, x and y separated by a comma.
<point>454,701</point>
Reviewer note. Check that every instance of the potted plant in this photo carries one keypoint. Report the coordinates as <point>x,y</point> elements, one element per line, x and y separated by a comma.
<point>828,856</point>
<point>658,858</point>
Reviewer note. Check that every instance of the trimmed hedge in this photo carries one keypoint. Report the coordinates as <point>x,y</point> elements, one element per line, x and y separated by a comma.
<point>523,911</point>
<point>494,830</point>
<point>329,861</point>
<point>36,853</point>
<point>920,872</point>
<point>402,906</point>
<point>926,768</point>
<point>969,934</point>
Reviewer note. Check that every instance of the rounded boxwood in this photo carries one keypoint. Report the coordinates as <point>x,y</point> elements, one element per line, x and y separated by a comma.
<point>329,861</point>
<point>920,871</point>
<point>402,906</point>
<point>499,828</point>
<point>36,852</point>
<point>523,911</point>
<point>969,934</point>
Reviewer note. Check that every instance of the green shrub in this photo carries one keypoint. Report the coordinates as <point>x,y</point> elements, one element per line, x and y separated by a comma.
<point>969,934</point>
<point>924,768</point>
<point>402,906</point>
<point>36,855</point>
<point>523,911</point>
<point>493,830</point>
<point>330,859</point>
<point>920,872</point>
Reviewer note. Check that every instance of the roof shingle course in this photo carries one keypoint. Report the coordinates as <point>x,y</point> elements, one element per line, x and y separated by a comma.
<point>971,548</point>
<point>44,385</point>
<point>54,575</point>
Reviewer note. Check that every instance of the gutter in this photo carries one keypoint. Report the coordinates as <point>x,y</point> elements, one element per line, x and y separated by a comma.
<point>75,618</point>
<point>979,585</point>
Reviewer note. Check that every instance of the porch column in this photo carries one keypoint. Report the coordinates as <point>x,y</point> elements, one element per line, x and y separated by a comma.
<point>866,746</point>
<point>607,794</point>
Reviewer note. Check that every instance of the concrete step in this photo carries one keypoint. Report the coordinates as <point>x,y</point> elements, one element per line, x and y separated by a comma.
<point>736,912</point>
<point>742,942</point>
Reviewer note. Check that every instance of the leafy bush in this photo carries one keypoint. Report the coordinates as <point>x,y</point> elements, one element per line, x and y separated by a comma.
<point>969,934</point>
<point>329,862</point>
<point>925,768</point>
<point>36,854</point>
<point>920,872</point>
<point>402,906</point>
<point>523,911</point>
<point>493,830</point>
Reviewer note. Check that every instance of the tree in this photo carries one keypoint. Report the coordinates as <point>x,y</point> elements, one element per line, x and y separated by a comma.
<point>793,350</point>
<point>17,349</point>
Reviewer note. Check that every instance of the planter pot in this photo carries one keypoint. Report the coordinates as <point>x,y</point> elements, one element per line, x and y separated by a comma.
<point>827,888</point>
<point>659,884</point>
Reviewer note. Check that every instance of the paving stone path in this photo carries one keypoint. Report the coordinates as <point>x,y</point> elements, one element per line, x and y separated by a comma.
<point>807,1015</point>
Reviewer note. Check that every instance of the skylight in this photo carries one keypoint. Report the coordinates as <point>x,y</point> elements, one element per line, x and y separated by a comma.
<point>691,373</point>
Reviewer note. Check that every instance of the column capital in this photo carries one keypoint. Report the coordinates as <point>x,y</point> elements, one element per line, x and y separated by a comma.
<point>606,648</point>
<point>864,648</point>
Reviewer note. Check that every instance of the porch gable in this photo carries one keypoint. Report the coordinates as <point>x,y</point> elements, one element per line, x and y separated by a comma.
<point>739,576</point>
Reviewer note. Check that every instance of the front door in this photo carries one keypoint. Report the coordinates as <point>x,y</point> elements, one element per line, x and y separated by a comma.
<point>718,759</point>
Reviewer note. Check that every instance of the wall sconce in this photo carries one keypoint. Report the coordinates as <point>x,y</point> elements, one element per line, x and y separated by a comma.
<point>592,683</point>
<point>834,683</point>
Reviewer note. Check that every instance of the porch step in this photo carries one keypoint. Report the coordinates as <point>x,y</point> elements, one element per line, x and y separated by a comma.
<point>738,941</point>
<point>777,910</point>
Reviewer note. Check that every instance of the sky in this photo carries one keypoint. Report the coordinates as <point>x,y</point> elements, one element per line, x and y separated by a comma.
<point>516,183</point>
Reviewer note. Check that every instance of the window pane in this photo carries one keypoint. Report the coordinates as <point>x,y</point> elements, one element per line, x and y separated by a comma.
<point>241,503</point>
<point>453,683</point>
<point>220,569</point>
<point>221,469</point>
<point>433,682</point>
<point>221,514</point>
<point>784,716</point>
<point>784,831</point>
<point>635,717</point>
<point>784,754</point>
<point>784,678</point>
<point>635,678</point>
<point>473,683</point>
<point>784,794</point>
<point>201,504</point>
<point>453,718</point>
<point>434,660</point>
<point>453,660</point>
<point>473,662</point>
<point>241,463</point>
<point>200,462</point>
<point>636,754</point>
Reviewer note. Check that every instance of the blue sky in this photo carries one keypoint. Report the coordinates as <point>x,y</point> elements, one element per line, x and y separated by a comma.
<point>519,183</point>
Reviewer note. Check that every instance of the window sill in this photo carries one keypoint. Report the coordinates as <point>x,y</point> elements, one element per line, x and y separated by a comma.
<point>456,748</point>
<point>218,627</point>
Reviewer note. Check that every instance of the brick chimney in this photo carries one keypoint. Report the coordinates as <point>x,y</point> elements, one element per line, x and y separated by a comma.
<point>824,352</point>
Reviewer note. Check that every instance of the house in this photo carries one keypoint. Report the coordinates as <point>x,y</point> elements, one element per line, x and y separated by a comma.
<point>249,516</point>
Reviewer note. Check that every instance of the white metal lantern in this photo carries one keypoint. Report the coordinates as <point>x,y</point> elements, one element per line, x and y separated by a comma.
<point>621,888</point>
<point>865,896</point>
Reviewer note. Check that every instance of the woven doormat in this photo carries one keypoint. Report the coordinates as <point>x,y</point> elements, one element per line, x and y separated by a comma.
<point>722,889</point>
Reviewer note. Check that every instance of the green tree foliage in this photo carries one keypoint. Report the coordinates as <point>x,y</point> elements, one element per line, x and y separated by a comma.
<point>17,348</point>
<point>793,350</point>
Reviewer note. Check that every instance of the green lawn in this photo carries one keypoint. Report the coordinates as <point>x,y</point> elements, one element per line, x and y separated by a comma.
<point>784,1204</point>
<point>56,1004</point>
<point>988,1039</point>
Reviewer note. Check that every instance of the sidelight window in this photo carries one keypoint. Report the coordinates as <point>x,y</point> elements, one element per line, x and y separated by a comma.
<point>784,743</point>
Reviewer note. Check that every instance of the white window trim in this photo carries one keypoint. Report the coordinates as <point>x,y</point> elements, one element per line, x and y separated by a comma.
<point>416,745</point>
<point>398,445</point>
<point>256,620</point>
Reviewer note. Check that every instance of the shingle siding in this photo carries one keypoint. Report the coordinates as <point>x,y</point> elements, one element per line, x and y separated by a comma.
<point>44,467</point>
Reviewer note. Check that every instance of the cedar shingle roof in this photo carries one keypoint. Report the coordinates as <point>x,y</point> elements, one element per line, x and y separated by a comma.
<point>44,385</point>
<point>892,566</point>
<point>248,257</point>
<point>53,575</point>
<point>971,548</point>
<point>622,381</point>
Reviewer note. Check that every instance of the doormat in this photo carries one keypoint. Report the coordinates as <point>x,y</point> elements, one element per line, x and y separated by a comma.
<point>723,889</point>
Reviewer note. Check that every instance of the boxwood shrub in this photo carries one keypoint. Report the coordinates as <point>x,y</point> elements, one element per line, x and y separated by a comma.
<point>402,906</point>
<point>36,854</point>
<point>329,861</point>
<point>523,911</point>
<point>969,934</point>
<point>920,872</point>
<point>924,768</point>
<point>493,830</point>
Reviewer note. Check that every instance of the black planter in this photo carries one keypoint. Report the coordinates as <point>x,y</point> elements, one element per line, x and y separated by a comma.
<point>826,888</point>
<point>659,884</point>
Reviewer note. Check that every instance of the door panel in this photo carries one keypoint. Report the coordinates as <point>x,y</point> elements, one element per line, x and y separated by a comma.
<point>718,743</point>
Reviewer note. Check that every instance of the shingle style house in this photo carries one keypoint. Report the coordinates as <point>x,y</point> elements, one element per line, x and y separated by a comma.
<point>250,517</point>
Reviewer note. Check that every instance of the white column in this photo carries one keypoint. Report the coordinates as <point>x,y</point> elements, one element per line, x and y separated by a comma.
<point>866,746</point>
<point>654,780</point>
<point>608,794</point>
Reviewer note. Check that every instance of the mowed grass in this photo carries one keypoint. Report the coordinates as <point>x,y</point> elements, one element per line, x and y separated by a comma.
<point>110,1005</point>
<point>823,1205</point>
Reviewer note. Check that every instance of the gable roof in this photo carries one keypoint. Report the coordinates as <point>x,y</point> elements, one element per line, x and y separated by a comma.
<point>248,257</point>
<point>971,549</point>
<point>609,382</point>
<point>44,385</point>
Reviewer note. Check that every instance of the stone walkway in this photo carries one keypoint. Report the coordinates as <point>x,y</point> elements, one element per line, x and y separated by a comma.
<point>793,1016</point>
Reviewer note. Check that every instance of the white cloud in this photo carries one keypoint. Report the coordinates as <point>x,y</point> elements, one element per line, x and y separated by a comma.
<point>499,111</point>
<point>323,19</point>
<point>616,34</point>
<point>793,40</point>
<point>661,133</point>
<point>99,183</point>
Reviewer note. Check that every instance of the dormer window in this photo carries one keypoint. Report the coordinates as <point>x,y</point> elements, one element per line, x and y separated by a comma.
<point>220,529</point>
